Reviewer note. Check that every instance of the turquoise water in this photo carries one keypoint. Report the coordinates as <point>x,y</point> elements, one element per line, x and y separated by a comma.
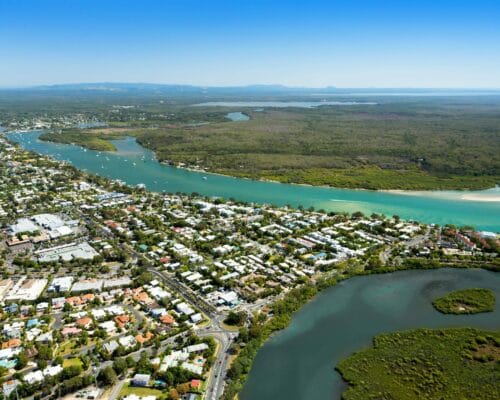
<point>237,116</point>
<point>298,363</point>
<point>134,164</point>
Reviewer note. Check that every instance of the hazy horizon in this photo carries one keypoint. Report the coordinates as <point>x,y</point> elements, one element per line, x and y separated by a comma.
<point>257,84</point>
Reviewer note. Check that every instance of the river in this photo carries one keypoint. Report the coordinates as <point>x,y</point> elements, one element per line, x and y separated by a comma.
<point>298,363</point>
<point>133,164</point>
<point>282,104</point>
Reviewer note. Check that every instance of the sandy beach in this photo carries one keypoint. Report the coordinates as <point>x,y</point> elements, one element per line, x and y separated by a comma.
<point>481,197</point>
<point>490,195</point>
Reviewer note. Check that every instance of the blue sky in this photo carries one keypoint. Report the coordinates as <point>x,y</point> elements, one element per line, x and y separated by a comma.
<point>354,43</point>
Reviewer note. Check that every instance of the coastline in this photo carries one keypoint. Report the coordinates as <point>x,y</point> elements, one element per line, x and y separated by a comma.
<point>457,194</point>
<point>473,197</point>
<point>434,207</point>
<point>234,386</point>
<point>475,194</point>
<point>490,195</point>
<point>447,194</point>
<point>325,282</point>
<point>463,372</point>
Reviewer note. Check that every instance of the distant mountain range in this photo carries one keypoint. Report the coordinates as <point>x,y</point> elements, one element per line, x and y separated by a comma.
<point>176,89</point>
<point>250,89</point>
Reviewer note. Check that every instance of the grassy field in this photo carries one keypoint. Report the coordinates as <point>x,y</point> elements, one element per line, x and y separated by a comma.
<point>70,346</point>
<point>402,144</point>
<point>72,362</point>
<point>441,364</point>
<point>140,391</point>
<point>468,301</point>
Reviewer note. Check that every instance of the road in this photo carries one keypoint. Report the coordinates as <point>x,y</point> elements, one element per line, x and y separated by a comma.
<point>215,382</point>
<point>413,242</point>
<point>116,390</point>
<point>185,291</point>
<point>215,329</point>
<point>175,285</point>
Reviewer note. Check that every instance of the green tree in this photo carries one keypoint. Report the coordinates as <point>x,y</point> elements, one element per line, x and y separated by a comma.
<point>235,318</point>
<point>120,366</point>
<point>22,360</point>
<point>107,376</point>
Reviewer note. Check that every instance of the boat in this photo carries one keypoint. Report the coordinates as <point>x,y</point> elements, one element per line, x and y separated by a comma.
<point>204,178</point>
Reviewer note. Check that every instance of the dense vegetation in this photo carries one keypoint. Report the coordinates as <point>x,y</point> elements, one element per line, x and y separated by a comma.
<point>94,139</point>
<point>427,364</point>
<point>235,318</point>
<point>399,144</point>
<point>468,301</point>
<point>252,338</point>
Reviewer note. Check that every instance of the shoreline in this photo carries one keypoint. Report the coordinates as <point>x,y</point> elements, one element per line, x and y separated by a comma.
<point>234,387</point>
<point>473,197</point>
<point>483,195</point>
<point>452,195</point>
<point>326,282</point>
<point>474,194</point>
<point>449,194</point>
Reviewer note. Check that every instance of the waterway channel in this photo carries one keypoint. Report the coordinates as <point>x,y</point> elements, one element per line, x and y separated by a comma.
<point>298,363</point>
<point>134,164</point>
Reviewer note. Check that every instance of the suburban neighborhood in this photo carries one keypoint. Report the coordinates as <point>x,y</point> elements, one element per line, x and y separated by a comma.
<point>113,292</point>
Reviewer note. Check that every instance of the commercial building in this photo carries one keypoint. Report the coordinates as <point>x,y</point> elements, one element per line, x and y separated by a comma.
<point>61,284</point>
<point>67,252</point>
<point>87,285</point>
<point>117,282</point>
<point>52,224</point>
<point>23,225</point>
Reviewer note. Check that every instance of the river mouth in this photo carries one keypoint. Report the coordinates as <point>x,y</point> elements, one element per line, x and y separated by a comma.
<point>298,363</point>
<point>134,165</point>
